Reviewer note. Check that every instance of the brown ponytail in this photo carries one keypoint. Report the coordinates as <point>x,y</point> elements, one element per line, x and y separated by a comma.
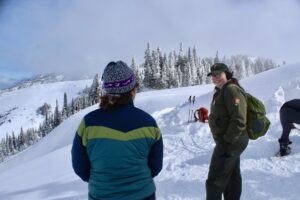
<point>229,76</point>
<point>236,82</point>
<point>111,102</point>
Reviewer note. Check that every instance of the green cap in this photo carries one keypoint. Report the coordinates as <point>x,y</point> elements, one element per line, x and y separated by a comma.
<point>217,68</point>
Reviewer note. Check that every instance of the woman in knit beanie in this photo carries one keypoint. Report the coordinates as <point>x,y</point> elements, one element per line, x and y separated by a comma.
<point>118,148</point>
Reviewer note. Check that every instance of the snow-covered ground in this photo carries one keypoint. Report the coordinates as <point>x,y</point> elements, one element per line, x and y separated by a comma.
<point>44,170</point>
<point>19,107</point>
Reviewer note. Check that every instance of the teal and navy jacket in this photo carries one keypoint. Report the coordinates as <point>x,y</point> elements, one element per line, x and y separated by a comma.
<point>118,153</point>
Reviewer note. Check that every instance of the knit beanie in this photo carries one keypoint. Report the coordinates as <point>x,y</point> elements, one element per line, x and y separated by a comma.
<point>118,78</point>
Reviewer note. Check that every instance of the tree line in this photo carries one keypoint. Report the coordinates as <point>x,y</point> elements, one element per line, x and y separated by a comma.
<point>12,144</point>
<point>178,69</point>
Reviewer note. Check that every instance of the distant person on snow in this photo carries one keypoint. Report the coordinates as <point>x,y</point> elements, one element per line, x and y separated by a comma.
<point>118,149</point>
<point>289,114</point>
<point>227,121</point>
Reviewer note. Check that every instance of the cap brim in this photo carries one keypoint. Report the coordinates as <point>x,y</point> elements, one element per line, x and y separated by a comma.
<point>215,72</point>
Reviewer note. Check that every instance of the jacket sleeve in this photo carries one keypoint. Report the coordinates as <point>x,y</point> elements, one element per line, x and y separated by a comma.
<point>236,105</point>
<point>80,159</point>
<point>294,103</point>
<point>155,158</point>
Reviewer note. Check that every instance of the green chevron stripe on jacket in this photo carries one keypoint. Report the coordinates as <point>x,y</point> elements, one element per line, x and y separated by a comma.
<point>94,132</point>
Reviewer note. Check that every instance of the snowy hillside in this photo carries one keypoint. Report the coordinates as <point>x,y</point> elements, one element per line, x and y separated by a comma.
<point>39,79</point>
<point>44,170</point>
<point>18,108</point>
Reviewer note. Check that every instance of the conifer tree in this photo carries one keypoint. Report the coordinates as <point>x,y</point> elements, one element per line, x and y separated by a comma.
<point>65,110</point>
<point>193,68</point>
<point>40,130</point>
<point>148,73</point>
<point>137,72</point>
<point>44,109</point>
<point>7,145</point>
<point>14,142</point>
<point>72,107</point>
<point>216,59</point>
<point>164,79</point>
<point>21,140</point>
<point>155,68</point>
<point>195,58</point>
<point>94,93</point>
<point>48,125</point>
<point>57,116</point>
<point>29,137</point>
<point>2,150</point>
<point>172,72</point>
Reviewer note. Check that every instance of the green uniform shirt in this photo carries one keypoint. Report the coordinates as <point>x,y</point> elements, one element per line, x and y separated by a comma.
<point>228,113</point>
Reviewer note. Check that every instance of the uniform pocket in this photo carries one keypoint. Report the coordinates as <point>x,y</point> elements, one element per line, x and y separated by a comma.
<point>218,122</point>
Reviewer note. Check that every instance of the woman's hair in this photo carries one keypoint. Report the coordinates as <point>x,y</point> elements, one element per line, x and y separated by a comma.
<point>110,102</point>
<point>229,76</point>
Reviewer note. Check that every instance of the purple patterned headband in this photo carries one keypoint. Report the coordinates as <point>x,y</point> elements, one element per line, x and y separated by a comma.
<point>119,84</point>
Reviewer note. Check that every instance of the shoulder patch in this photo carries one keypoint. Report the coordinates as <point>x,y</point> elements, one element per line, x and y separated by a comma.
<point>236,101</point>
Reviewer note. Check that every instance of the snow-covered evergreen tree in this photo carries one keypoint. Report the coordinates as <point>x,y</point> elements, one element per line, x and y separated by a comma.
<point>2,150</point>
<point>7,145</point>
<point>31,136</point>
<point>57,116</point>
<point>48,123</point>
<point>44,109</point>
<point>155,68</point>
<point>148,73</point>
<point>137,72</point>
<point>207,63</point>
<point>94,92</point>
<point>72,107</point>
<point>12,144</point>
<point>21,140</point>
<point>180,65</point>
<point>77,104</point>
<point>172,72</point>
<point>164,79</point>
<point>193,68</point>
<point>216,59</point>
<point>186,73</point>
<point>65,109</point>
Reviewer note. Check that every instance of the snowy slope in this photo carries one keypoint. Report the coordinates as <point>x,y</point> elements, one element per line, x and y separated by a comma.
<point>19,106</point>
<point>44,171</point>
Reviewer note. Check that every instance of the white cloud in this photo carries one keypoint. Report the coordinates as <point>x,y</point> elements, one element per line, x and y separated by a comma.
<point>82,36</point>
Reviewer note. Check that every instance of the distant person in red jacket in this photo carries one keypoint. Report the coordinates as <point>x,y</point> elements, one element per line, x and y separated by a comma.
<point>289,114</point>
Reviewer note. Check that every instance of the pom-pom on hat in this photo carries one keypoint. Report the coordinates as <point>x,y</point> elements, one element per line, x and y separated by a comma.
<point>118,78</point>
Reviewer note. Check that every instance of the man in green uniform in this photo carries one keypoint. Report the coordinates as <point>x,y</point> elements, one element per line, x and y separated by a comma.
<point>227,121</point>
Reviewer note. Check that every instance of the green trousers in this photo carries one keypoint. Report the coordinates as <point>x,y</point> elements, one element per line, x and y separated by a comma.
<point>224,176</point>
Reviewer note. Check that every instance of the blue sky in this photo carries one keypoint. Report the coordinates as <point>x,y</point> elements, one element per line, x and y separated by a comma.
<point>80,37</point>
